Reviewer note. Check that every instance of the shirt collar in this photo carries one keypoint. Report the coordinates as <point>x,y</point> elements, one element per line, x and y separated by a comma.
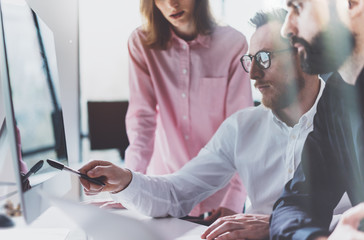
<point>203,40</point>
<point>307,118</point>
<point>309,115</point>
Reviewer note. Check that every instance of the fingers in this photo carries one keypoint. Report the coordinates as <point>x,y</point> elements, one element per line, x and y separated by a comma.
<point>242,234</point>
<point>220,212</point>
<point>92,169</point>
<point>239,226</point>
<point>99,171</point>
<point>92,165</point>
<point>236,230</point>
<point>347,228</point>
<point>222,220</point>
<point>85,183</point>
<point>115,178</point>
<point>92,192</point>
<point>93,189</point>
<point>226,211</point>
<point>222,228</point>
<point>353,216</point>
<point>217,224</point>
<point>89,185</point>
<point>213,217</point>
<point>357,235</point>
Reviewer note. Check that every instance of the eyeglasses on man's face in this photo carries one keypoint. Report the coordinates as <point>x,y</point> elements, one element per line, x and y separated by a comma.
<point>262,58</point>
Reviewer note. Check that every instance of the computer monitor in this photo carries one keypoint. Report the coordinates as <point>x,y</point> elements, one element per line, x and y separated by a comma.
<point>33,110</point>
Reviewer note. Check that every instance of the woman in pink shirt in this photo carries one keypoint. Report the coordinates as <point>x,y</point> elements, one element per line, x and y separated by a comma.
<point>185,79</point>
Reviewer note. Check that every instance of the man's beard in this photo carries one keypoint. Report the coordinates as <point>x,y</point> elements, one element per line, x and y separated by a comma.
<point>328,50</point>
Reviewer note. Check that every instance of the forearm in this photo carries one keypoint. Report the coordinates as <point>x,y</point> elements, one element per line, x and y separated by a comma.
<point>153,196</point>
<point>176,194</point>
<point>296,217</point>
<point>287,223</point>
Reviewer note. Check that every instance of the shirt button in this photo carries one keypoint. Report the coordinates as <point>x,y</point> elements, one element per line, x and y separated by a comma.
<point>293,137</point>
<point>290,170</point>
<point>187,137</point>
<point>184,71</point>
<point>185,117</point>
<point>184,47</point>
<point>183,95</point>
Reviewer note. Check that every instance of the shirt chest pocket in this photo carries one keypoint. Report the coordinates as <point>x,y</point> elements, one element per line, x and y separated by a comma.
<point>212,92</point>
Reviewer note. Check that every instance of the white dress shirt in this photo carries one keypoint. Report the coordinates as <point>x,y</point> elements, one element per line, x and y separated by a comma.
<point>253,142</point>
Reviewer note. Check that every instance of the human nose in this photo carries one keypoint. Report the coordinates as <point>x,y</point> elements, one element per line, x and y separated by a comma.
<point>173,3</point>
<point>255,71</point>
<point>289,27</point>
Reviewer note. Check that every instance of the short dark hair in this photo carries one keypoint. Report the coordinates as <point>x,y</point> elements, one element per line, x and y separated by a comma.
<point>261,18</point>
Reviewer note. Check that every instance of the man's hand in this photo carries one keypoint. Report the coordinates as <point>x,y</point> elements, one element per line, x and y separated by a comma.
<point>239,226</point>
<point>116,178</point>
<point>207,221</point>
<point>347,228</point>
<point>218,213</point>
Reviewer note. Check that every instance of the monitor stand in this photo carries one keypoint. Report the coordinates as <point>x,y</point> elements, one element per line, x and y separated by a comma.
<point>5,221</point>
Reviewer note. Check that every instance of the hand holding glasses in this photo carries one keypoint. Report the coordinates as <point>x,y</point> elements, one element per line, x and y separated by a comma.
<point>262,58</point>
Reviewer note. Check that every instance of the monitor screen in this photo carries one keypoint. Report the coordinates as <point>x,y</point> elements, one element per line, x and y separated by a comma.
<point>32,101</point>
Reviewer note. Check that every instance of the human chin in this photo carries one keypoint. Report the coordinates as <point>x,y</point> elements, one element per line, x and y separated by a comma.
<point>328,49</point>
<point>281,97</point>
<point>271,100</point>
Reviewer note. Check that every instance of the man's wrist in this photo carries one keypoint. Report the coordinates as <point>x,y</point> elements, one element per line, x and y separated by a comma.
<point>127,177</point>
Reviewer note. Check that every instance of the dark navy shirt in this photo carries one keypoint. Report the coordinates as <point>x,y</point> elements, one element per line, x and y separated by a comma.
<point>332,164</point>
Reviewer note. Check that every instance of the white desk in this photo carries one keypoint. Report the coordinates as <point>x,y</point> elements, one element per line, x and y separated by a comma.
<point>54,221</point>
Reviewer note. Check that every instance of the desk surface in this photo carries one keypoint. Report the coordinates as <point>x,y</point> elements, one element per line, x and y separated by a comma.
<point>55,221</point>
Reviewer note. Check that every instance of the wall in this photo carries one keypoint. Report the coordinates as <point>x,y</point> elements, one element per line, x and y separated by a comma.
<point>105,26</point>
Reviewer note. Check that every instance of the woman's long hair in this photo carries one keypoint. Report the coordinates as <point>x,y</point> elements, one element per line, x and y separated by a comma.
<point>157,28</point>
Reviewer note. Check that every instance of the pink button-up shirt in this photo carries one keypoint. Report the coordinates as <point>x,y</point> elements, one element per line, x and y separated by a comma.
<point>178,99</point>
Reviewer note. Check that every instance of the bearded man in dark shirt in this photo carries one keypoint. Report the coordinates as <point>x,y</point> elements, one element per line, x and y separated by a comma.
<point>329,36</point>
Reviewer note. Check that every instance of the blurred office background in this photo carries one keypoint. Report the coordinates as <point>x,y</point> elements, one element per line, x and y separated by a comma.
<point>104,28</point>
<point>92,57</point>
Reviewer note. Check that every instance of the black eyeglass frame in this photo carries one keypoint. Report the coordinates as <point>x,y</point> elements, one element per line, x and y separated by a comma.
<point>255,57</point>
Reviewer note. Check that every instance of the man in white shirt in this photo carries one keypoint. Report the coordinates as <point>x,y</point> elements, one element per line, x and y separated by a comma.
<point>263,144</point>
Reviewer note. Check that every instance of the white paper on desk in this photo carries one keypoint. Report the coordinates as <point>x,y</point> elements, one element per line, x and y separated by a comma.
<point>34,234</point>
<point>101,224</point>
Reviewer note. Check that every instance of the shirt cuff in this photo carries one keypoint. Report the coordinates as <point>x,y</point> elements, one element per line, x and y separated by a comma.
<point>309,233</point>
<point>127,195</point>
